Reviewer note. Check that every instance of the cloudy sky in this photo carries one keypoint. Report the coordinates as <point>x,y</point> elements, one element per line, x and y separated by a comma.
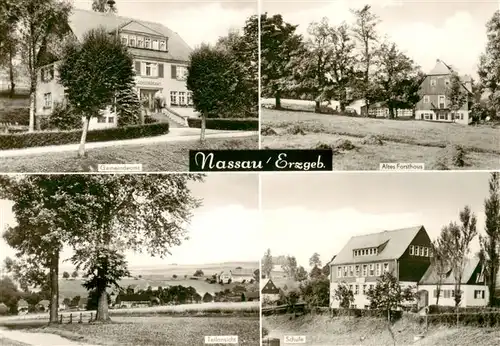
<point>451,30</point>
<point>224,229</point>
<point>315,212</point>
<point>201,21</point>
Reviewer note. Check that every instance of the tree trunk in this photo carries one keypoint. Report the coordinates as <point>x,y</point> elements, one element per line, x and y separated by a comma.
<point>317,108</point>
<point>85,129</point>
<point>31,127</point>
<point>391,112</point>
<point>277,97</point>
<point>54,288</point>
<point>203,127</point>
<point>102,306</point>
<point>342,106</point>
<point>11,74</point>
<point>438,294</point>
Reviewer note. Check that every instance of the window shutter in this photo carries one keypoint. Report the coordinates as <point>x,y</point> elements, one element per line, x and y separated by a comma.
<point>160,70</point>
<point>138,68</point>
<point>174,71</point>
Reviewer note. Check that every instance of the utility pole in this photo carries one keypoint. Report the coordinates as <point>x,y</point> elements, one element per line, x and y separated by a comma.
<point>111,4</point>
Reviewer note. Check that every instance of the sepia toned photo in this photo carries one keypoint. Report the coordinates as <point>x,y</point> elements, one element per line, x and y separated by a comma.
<point>380,258</point>
<point>125,85</point>
<point>129,260</point>
<point>390,85</point>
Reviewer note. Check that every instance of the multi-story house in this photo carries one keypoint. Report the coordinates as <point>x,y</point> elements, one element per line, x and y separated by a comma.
<point>434,104</point>
<point>404,252</point>
<point>160,61</point>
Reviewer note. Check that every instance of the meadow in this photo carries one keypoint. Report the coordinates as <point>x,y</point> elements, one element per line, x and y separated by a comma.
<point>373,141</point>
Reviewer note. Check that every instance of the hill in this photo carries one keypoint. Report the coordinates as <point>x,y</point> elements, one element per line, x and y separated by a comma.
<point>163,276</point>
<point>323,330</point>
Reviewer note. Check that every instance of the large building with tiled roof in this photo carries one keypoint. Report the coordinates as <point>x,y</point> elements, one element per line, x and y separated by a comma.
<point>406,254</point>
<point>160,56</point>
<point>434,104</point>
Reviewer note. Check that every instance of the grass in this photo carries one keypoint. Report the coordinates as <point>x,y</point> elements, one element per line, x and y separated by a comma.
<point>404,141</point>
<point>8,342</point>
<point>168,156</point>
<point>156,331</point>
<point>323,330</point>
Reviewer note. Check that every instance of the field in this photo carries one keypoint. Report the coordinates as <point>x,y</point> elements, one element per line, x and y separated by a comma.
<point>162,276</point>
<point>400,141</point>
<point>323,330</point>
<point>168,156</point>
<point>156,331</point>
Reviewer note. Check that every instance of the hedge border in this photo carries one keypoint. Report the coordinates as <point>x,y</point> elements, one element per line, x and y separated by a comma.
<point>247,124</point>
<point>40,139</point>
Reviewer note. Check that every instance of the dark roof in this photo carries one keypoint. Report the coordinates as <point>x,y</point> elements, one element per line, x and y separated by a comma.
<point>431,275</point>
<point>254,294</point>
<point>270,288</point>
<point>82,21</point>
<point>441,68</point>
<point>392,244</point>
<point>44,302</point>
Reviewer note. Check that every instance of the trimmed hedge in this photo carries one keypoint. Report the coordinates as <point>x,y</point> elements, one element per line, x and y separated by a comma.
<point>15,115</point>
<point>249,124</point>
<point>38,139</point>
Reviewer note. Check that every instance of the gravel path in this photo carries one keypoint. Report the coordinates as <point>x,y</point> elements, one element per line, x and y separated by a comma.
<point>38,339</point>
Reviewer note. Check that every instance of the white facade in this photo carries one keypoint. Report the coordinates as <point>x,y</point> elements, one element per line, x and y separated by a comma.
<point>460,117</point>
<point>473,295</point>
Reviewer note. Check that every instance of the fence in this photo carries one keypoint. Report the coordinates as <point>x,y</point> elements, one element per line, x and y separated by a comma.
<point>81,317</point>
<point>486,317</point>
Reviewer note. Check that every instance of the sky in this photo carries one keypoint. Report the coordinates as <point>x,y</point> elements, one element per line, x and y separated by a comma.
<point>201,21</point>
<point>223,229</point>
<point>451,30</point>
<point>307,213</point>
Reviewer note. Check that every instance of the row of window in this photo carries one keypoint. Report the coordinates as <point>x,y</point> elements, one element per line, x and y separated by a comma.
<point>441,100</point>
<point>423,251</point>
<point>181,98</point>
<point>446,293</point>
<point>362,270</point>
<point>434,81</point>
<point>102,120</point>
<point>365,252</point>
<point>479,294</point>
<point>155,70</point>
<point>355,288</point>
<point>144,42</point>
<point>450,116</point>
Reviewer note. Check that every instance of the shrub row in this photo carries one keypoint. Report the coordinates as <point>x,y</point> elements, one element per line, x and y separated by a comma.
<point>37,139</point>
<point>249,124</point>
<point>480,319</point>
<point>20,116</point>
<point>395,314</point>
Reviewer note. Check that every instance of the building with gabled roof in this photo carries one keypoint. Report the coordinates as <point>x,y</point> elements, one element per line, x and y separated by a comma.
<point>160,57</point>
<point>475,292</point>
<point>270,292</point>
<point>434,104</point>
<point>403,252</point>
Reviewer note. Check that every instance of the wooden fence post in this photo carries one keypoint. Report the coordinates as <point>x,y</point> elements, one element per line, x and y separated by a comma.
<point>91,315</point>
<point>60,318</point>
<point>81,317</point>
<point>70,318</point>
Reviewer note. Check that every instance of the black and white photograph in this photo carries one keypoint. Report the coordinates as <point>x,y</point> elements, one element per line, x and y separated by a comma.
<point>131,85</point>
<point>380,258</point>
<point>383,82</point>
<point>143,260</point>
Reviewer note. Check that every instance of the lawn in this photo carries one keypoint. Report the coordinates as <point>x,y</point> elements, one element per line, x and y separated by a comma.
<point>323,330</point>
<point>168,156</point>
<point>8,342</point>
<point>403,141</point>
<point>159,331</point>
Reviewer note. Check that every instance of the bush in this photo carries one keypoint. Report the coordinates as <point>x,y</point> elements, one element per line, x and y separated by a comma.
<point>343,144</point>
<point>21,116</point>
<point>251,124</point>
<point>372,139</point>
<point>62,118</point>
<point>295,130</point>
<point>268,131</point>
<point>452,155</point>
<point>38,139</point>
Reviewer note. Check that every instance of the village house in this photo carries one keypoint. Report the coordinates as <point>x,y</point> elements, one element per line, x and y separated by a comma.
<point>406,254</point>
<point>474,290</point>
<point>43,305</point>
<point>22,307</point>
<point>250,296</point>
<point>160,56</point>
<point>434,104</point>
<point>270,292</point>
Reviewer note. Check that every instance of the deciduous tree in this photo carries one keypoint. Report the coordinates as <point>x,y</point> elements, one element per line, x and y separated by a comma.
<point>440,261</point>
<point>290,266</point>
<point>365,32</point>
<point>104,6</point>
<point>40,24</point>
<point>267,263</point>
<point>457,94</point>
<point>279,46</point>
<point>489,64</point>
<point>301,274</point>
<point>489,254</point>
<point>344,295</point>
<point>93,73</point>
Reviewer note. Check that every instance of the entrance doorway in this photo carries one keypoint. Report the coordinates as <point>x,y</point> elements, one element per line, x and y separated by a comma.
<point>423,298</point>
<point>147,97</point>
